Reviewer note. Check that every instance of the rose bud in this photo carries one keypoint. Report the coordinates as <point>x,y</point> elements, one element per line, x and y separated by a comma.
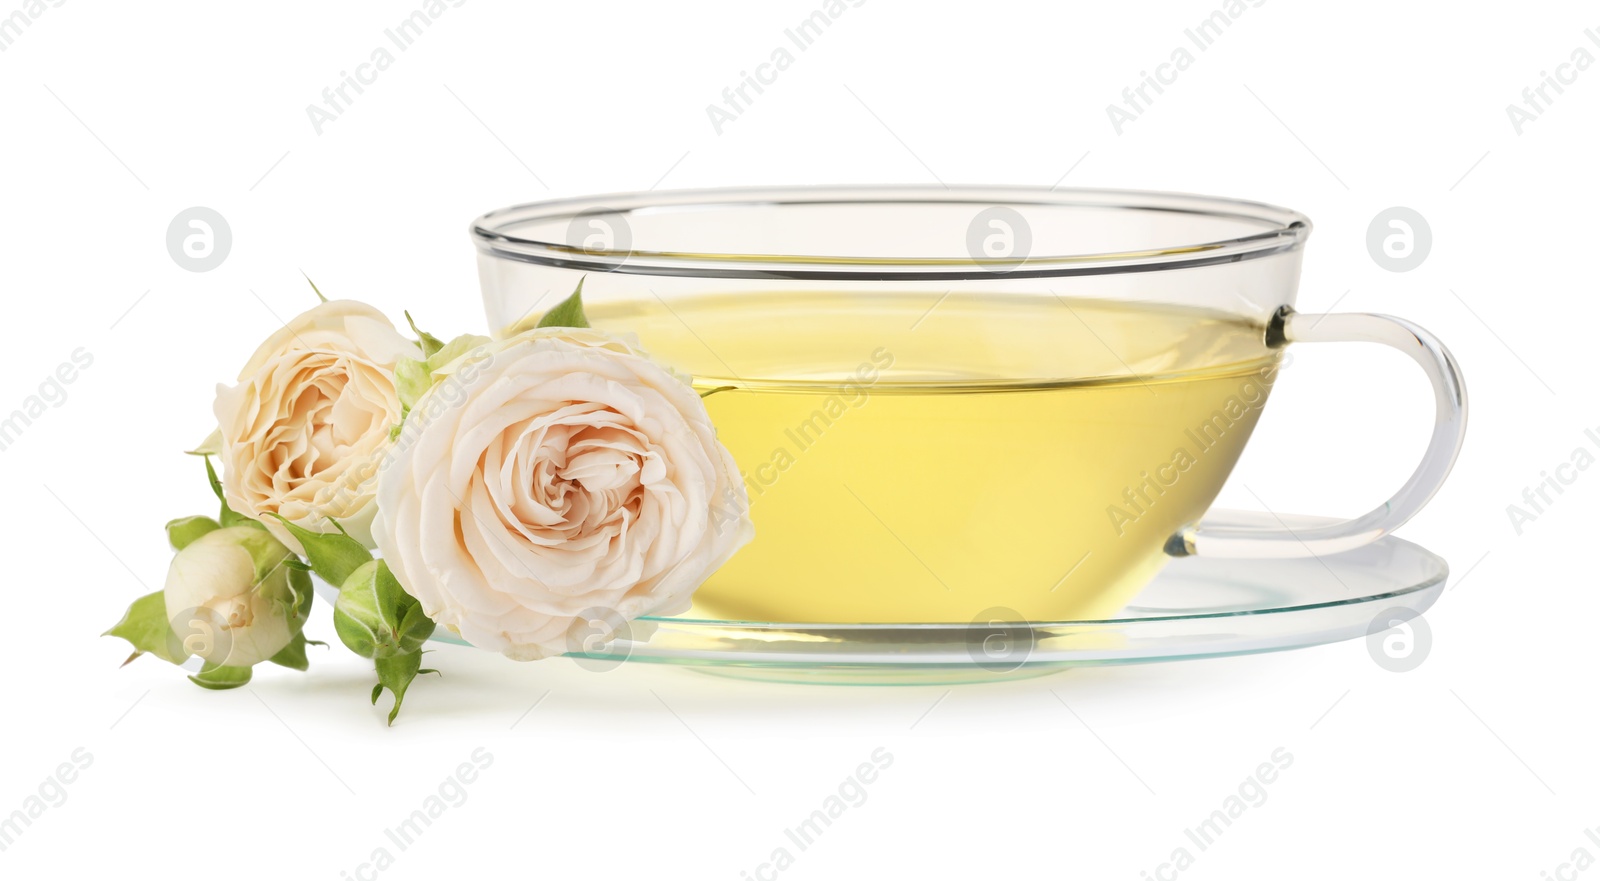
<point>232,598</point>
<point>376,618</point>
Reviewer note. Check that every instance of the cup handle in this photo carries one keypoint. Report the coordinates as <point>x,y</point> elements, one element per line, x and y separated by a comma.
<point>1449,428</point>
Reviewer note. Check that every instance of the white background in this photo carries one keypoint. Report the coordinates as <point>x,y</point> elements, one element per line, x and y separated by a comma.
<point>119,115</point>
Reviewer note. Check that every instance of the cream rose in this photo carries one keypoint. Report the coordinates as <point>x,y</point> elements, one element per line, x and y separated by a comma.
<point>303,432</point>
<point>553,480</point>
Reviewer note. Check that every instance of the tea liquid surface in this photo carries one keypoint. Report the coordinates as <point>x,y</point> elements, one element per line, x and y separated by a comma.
<point>930,457</point>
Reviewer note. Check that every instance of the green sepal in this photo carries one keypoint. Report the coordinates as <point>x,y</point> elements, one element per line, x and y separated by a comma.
<point>211,446</point>
<point>292,598</point>
<point>415,627</point>
<point>183,530</point>
<point>721,388</point>
<point>304,593</point>
<point>220,678</point>
<point>376,618</point>
<point>332,555</point>
<point>293,655</point>
<point>568,312</point>
<point>226,516</point>
<point>429,343</point>
<point>314,290</point>
<point>411,379</point>
<point>454,349</point>
<point>396,674</point>
<point>146,628</point>
<point>290,594</point>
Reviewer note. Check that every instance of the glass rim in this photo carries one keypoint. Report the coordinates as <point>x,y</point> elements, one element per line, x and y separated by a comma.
<point>1284,230</point>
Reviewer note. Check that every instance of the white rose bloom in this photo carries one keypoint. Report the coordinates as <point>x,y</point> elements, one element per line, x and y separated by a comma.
<point>303,432</point>
<point>554,476</point>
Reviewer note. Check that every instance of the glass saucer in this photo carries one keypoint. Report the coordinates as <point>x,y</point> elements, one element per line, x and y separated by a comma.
<point>1195,608</point>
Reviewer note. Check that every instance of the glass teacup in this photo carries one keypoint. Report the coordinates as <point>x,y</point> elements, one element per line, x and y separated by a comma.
<point>948,401</point>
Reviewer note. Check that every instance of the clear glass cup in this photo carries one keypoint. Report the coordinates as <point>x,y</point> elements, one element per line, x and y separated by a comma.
<point>973,389</point>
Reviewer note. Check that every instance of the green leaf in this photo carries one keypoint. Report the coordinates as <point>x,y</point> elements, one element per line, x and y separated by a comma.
<point>429,343</point>
<point>146,628</point>
<point>293,655</point>
<point>182,531</point>
<point>332,555</point>
<point>396,674</point>
<point>314,290</point>
<point>568,312</point>
<point>220,678</point>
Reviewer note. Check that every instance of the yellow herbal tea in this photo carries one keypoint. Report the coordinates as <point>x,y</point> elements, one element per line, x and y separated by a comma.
<point>930,457</point>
